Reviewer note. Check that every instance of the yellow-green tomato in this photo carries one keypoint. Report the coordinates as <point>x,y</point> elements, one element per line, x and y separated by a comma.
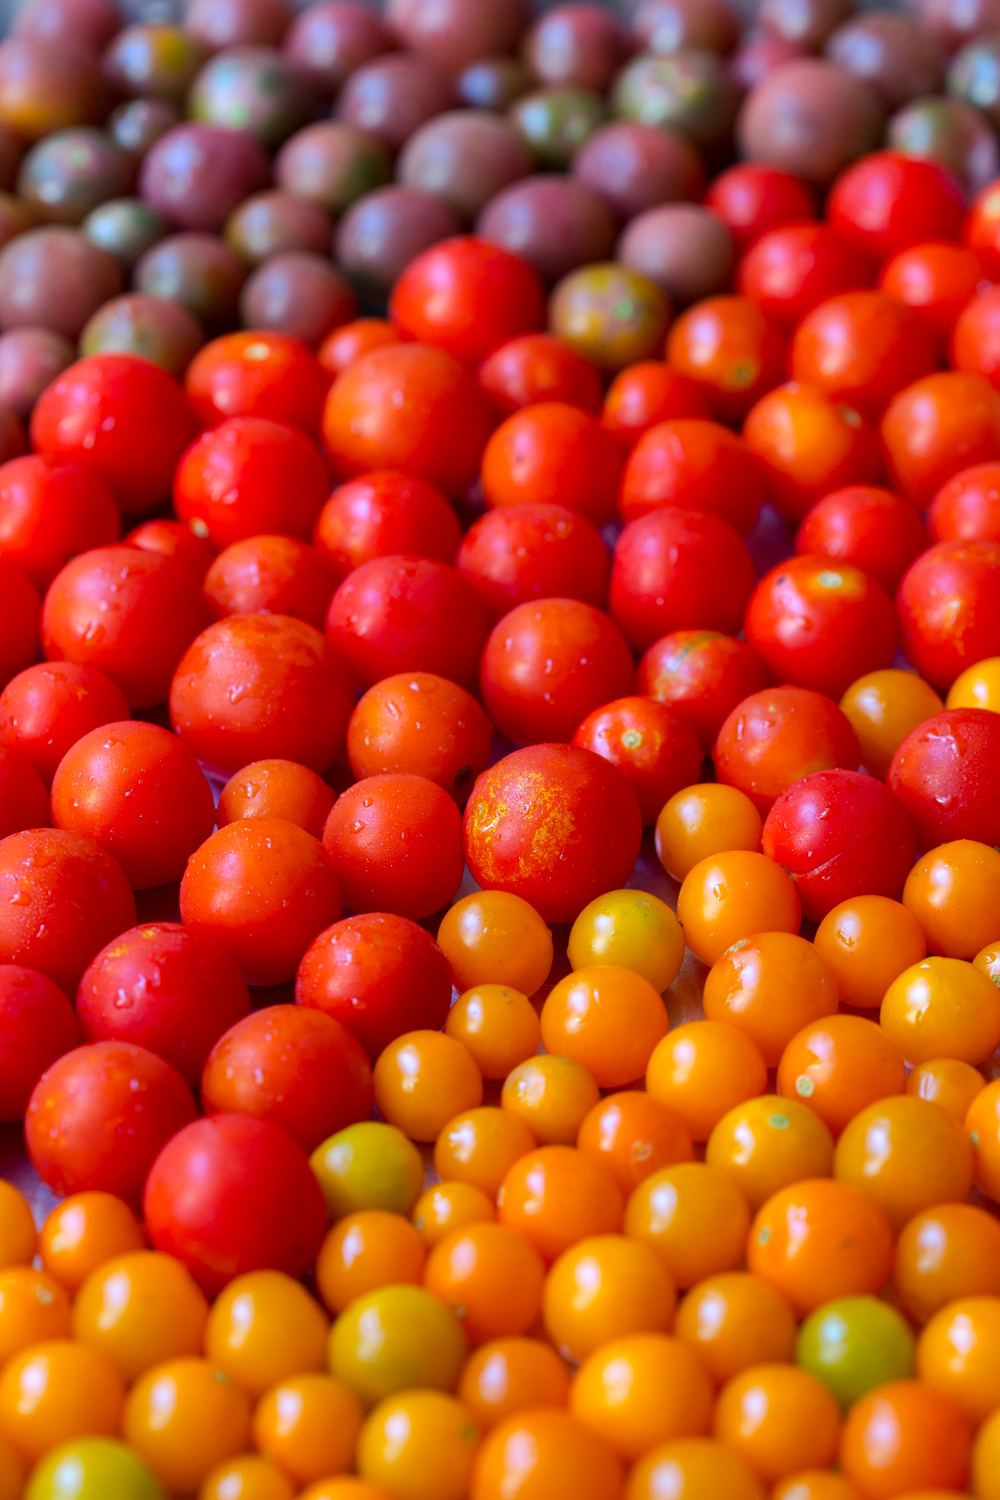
<point>632,930</point>
<point>368,1165</point>
<point>398,1338</point>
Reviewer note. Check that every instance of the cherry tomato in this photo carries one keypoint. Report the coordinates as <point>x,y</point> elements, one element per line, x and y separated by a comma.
<point>250,476</point>
<point>173,539</point>
<point>878,532</point>
<point>883,708</point>
<point>467,296</point>
<point>809,443</point>
<point>965,509</point>
<point>645,394</point>
<point>276,789</point>
<point>791,269</point>
<point>537,367</point>
<point>651,745</point>
<point>937,280</point>
<point>702,676</point>
<point>262,373</point>
<point>270,575</point>
<point>906,1435</point>
<point>731,348</point>
<point>553,453</point>
<point>936,427</point>
<point>776,736</point>
<point>534,551</point>
<point>862,347</point>
<point>696,465</point>
<point>50,511</point>
<point>382,513</point>
<point>949,608</point>
<point>889,201</point>
<point>752,198</point>
<point>48,707</point>
<point>347,343</point>
<point>37,1025</point>
<point>942,773</point>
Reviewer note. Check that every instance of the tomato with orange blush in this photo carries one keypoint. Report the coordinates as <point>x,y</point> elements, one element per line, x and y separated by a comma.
<point>820,624</point>
<point>702,675</point>
<point>872,528</point>
<point>645,394</point>
<point>656,751</point>
<point>936,280</point>
<point>862,347</point>
<point>809,443</point>
<point>348,342</point>
<point>936,427</point>
<point>557,454</point>
<point>732,348</point>
<point>975,343</point>
<point>538,367</point>
<point>696,465</point>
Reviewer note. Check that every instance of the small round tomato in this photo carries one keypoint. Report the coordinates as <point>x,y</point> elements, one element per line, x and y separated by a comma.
<point>703,820</point>
<point>653,747</point>
<point>889,201</point>
<point>693,1215</point>
<point>838,1065</point>
<point>537,1454</point>
<point>606,1018</point>
<point>936,279</point>
<point>421,724</point>
<point>308,1424</point>
<point>770,986</point>
<point>546,666</point>
<point>46,708</point>
<point>868,527</point>
<point>977,687</point>
<point>696,465</point>
<point>494,937</point>
<point>936,427</point>
<point>967,507</point>
<point>262,373</point>
<point>553,453</point>
<point>868,942</point>
<point>862,347</point>
<point>776,736</point>
<point>558,1196</point>
<point>276,789</point>
<point>949,608</point>
<point>907,1154</point>
<point>735,1320</point>
<point>396,1339</point>
<point>552,1095</point>
<point>173,539</point>
<point>954,893</point>
<point>975,343</point>
<point>419,1442</point>
<point>55,1391</point>
<point>820,1239</point>
<point>100,1466</point>
<point>778,1418</point>
<point>820,624</point>
<point>480,1145</point>
<point>467,296</point>
<point>943,1008</point>
<point>36,1027</point>
<point>809,443</point>
<point>692,1463</point>
<point>791,269</point>
<point>840,834</point>
<point>383,513</point>
<point>610,314</point>
<point>906,1436</point>
<point>509,1375</point>
<point>182,1418</point>
<point>883,708</point>
<point>264,1327</point>
<point>701,675</point>
<point>370,1165</point>
<point>731,896</point>
<point>669,1394</point>
<point>275,575</point>
<point>424,1079</point>
<point>854,1344</point>
<point>631,930</point>
<point>536,367</point>
<point>703,1069</point>
<point>752,198</point>
<point>492,1276</point>
<point>83,1232</point>
<point>943,773</point>
<point>498,1026</point>
<point>139,1309</point>
<point>345,344</point>
<point>677,569</point>
<point>50,511</point>
<point>945,1253</point>
<point>607,1287</point>
<point>732,349</point>
<point>646,394</point>
<point>534,551</point>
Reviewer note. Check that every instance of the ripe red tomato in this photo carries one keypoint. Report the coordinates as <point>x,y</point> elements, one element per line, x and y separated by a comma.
<point>174,539</point>
<point>945,775</point>
<point>261,373</point>
<point>100,1114</point>
<point>233,1194</point>
<point>547,665</point>
<point>467,296</point>
<point>396,843</point>
<point>404,613</point>
<point>935,280</point>
<point>37,1025</point>
<point>655,750</point>
<point>820,624</point>
<point>539,367</point>
<point>840,834</point>
<point>702,676</point>
<point>555,825</point>
<point>732,349</point>
<point>862,347</point>
<point>678,570</point>
<point>937,426</point>
<point>789,270</point>
<point>949,609</point>
<point>21,617</point>
<point>777,736</point>
<point>50,511</point>
<point>553,453</point>
<point>887,202</point>
<point>696,465</point>
<point>121,416</point>
<point>808,444</point>
<point>877,531</point>
<point>49,706</point>
<point>298,1068</point>
<point>966,508</point>
<point>647,393</point>
<point>753,198</point>
<point>378,974</point>
<point>534,551</point>
<point>382,513</point>
<point>250,475</point>
<point>24,801</point>
<point>276,575</point>
<point>166,988</point>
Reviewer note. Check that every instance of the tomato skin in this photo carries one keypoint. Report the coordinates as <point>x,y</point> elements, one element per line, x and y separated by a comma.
<point>808,444</point>
<point>872,528</point>
<point>467,296</point>
<point>260,373</point>
<point>655,750</point>
<point>645,394</point>
<point>534,551</point>
<point>62,897</point>
<point>49,706</point>
<point>557,454</point>
<point>776,736</point>
<point>678,570</point>
<point>50,511</point>
<point>547,665</point>
<point>24,801</point>
<point>37,1025</point>
<point>702,675</point>
<point>382,513</point>
<point>887,202</point>
<point>791,269</point>
<point>944,773</point>
<point>299,1068</point>
<point>121,416</point>
<point>22,612</point>
<point>539,367</point>
<point>753,198</point>
<point>732,349</point>
<point>100,1114</point>
<point>839,834</point>
<point>131,614</point>
<point>862,347</point>
<point>696,465</point>
<point>936,427</point>
<point>379,975</point>
<point>404,613</point>
<point>967,508</point>
<point>949,609</point>
<point>820,624</point>
<point>182,992</point>
<point>206,1191</point>
<point>555,825</point>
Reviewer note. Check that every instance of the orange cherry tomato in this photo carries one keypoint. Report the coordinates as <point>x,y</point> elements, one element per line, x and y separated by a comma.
<point>732,896</point>
<point>839,1065</point>
<point>905,1436</point>
<point>695,1216</point>
<point>703,1069</point>
<point>634,1135</point>
<point>818,1240</point>
<point>907,1154</point>
<point>492,1276</point>
<point>868,941</point>
<point>642,1390</point>
<point>778,1418</point>
<point>510,1375</point>
<point>770,986</point>
<point>557,1196</point>
<point>736,1320</point>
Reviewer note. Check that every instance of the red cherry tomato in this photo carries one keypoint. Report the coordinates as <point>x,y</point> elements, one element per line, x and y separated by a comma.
<point>840,834</point>
<point>732,349</point>
<point>944,773</point>
<point>702,676</point>
<point>467,296</point>
<point>887,202</point>
<point>257,374</point>
<point>174,539</point>
<point>233,1194</point>
<point>872,528</point>
<point>696,465</point>
<point>121,416</point>
<point>37,1025</point>
<point>547,665</point>
<point>46,708</point>
<point>808,444</point>
<point>99,1116</point>
<point>949,609</point>
<point>347,343</point>
<point>534,551</point>
<point>382,513</point>
<point>982,227</point>
<point>752,198</point>
<point>130,614</point>
<point>655,750</point>
<point>139,792</point>
<point>966,509</point>
<point>555,825</point>
<point>24,800</point>
<point>298,1068</point>
<point>271,575</point>
<point>821,624</point>
<point>396,843</point>
<point>678,570</point>
<point>647,393</point>
<point>50,511</point>
<point>937,426</point>
<point>378,974</point>
<point>539,367</point>
<point>260,687</point>
<point>247,476</point>
<point>777,736</point>
<point>165,988</point>
<point>975,343</point>
<point>21,618</point>
<point>557,454</point>
<point>404,613</point>
<point>862,347</point>
<point>935,280</point>
<point>788,271</point>
<point>62,897</point>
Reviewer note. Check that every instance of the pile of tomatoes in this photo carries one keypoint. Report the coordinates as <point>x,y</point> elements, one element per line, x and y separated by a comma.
<point>517,1181</point>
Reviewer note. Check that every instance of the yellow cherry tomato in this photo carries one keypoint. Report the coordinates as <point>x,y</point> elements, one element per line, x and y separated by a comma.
<point>632,930</point>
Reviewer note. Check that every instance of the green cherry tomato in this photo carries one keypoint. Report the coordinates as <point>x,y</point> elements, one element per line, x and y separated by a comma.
<point>855,1344</point>
<point>92,1469</point>
<point>398,1338</point>
<point>368,1165</point>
